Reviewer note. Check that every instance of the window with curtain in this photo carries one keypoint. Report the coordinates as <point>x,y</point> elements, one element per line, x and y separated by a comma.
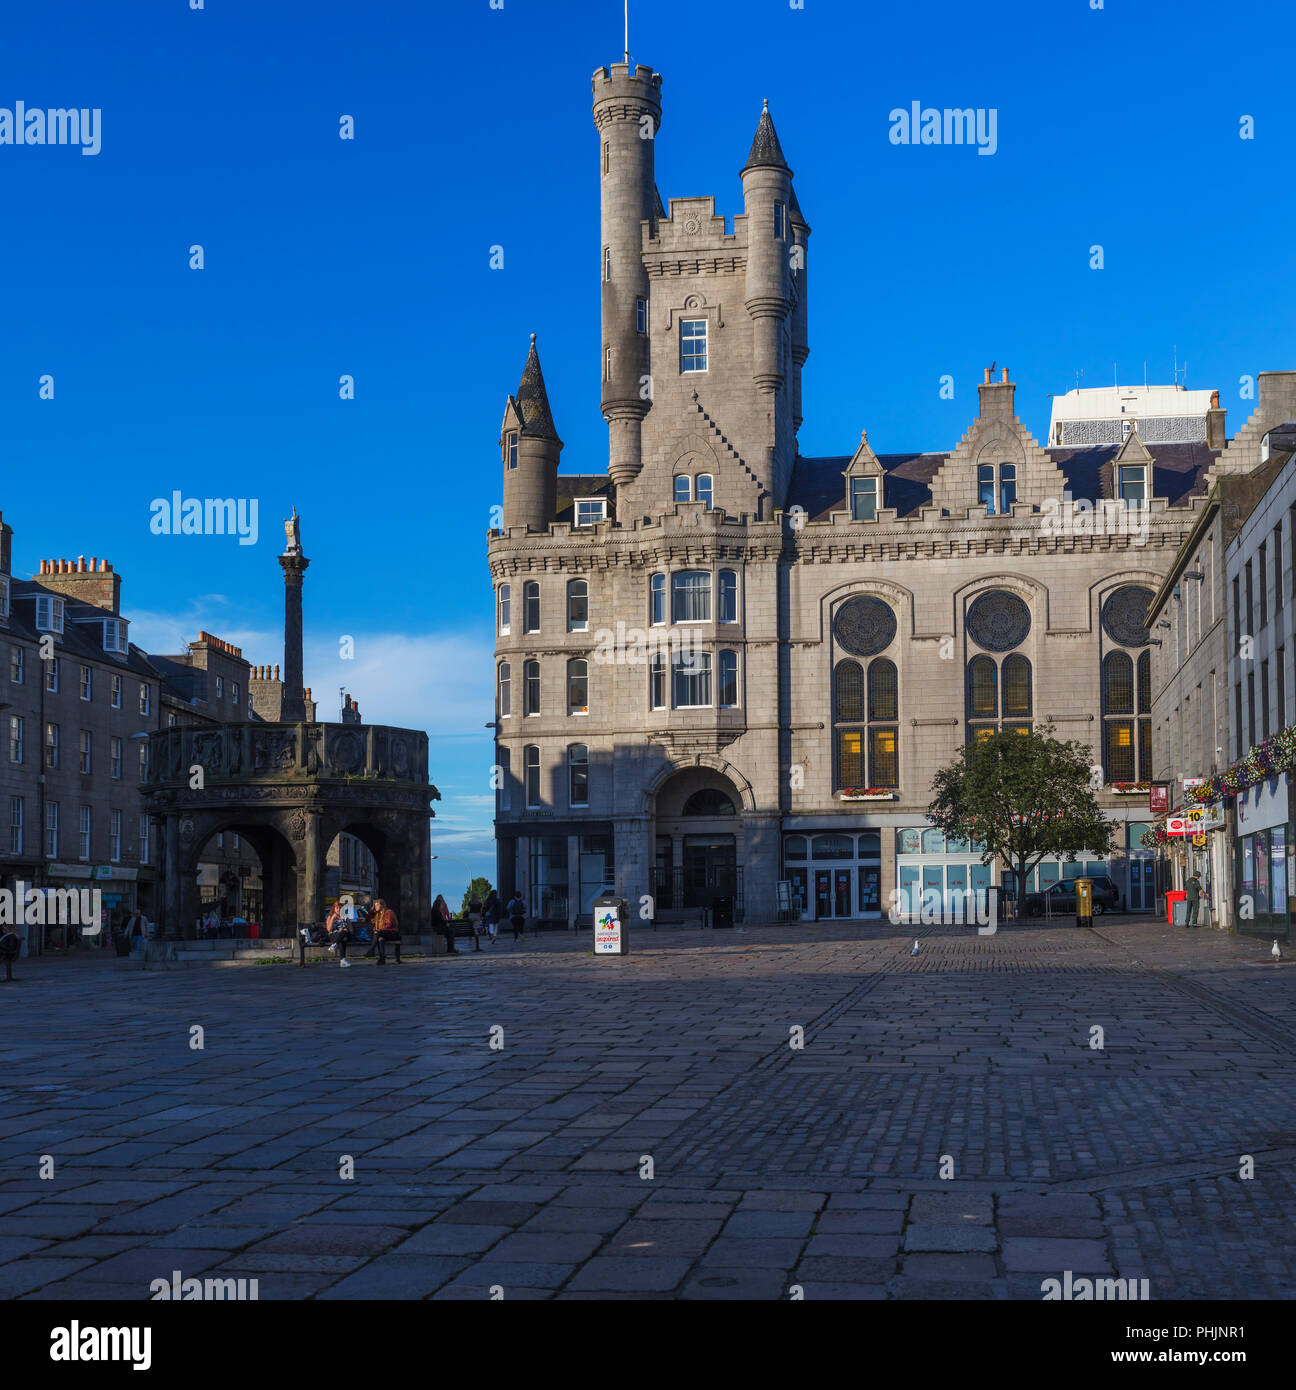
<point>691,597</point>
<point>728,597</point>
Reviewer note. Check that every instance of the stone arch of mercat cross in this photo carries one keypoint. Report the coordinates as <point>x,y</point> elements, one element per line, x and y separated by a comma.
<point>291,788</point>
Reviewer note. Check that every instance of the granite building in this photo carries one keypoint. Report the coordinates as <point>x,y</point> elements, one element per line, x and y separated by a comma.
<point>722,666</point>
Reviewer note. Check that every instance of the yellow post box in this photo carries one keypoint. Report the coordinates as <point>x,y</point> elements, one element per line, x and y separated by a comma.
<point>1084,902</point>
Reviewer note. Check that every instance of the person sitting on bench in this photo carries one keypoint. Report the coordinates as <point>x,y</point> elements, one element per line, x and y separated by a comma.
<point>338,931</point>
<point>386,932</point>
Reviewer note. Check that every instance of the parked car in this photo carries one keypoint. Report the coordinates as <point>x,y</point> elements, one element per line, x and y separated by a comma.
<point>1062,898</point>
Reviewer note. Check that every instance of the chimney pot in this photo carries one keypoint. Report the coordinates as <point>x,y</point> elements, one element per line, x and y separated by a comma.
<point>1004,377</point>
<point>987,376</point>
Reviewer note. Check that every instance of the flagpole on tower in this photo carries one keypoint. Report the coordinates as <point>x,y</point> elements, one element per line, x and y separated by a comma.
<point>627,32</point>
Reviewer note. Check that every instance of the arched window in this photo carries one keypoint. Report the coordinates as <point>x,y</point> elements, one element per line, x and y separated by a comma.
<point>710,801</point>
<point>505,593</point>
<point>1117,683</point>
<point>505,696</point>
<point>578,686</point>
<point>833,847</point>
<point>728,597</point>
<point>691,597</point>
<point>850,691</point>
<point>1016,687</point>
<point>577,605</point>
<point>727,687</point>
<point>1126,681</point>
<point>883,730</point>
<point>705,489</point>
<point>531,607</point>
<point>867,754</point>
<point>986,488</point>
<point>578,774</point>
<point>531,688</point>
<point>998,695</point>
<point>683,488</point>
<point>657,599</point>
<point>531,764</point>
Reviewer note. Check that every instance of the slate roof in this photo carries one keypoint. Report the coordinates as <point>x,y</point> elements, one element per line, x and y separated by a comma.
<point>766,152</point>
<point>533,400</point>
<point>1178,474</point>
<point>78,639</point>
<point>574,485</point>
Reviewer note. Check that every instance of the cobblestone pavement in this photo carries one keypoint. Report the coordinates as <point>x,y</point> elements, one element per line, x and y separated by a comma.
<point>525,1167</point>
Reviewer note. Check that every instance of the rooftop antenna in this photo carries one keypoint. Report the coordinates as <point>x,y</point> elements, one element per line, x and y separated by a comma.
<point>627,32</point>
<point>1079,374</point>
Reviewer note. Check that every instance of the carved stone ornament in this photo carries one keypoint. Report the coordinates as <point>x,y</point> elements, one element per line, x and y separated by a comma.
<point>864,626</point>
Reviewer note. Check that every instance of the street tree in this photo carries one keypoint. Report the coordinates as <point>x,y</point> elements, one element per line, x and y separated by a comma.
<point>1023,796</point>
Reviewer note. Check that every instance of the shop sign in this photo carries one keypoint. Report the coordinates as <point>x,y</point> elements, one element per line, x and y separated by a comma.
<point>1159,798</point>
<point>1263,805</point>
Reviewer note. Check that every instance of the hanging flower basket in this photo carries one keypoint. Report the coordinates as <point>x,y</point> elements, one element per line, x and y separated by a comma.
<point>866,794</point>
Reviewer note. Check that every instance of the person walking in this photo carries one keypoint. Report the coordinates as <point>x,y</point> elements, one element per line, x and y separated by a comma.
<point>441,921</point>
<point>474,916</point>
<point>1192,899</point>
<point>517,915</point>
<point>492,911</point>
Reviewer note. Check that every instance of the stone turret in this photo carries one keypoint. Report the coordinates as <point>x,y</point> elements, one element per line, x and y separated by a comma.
<point>627,114</point>
<point>767,196</point>
<point>530,449</point>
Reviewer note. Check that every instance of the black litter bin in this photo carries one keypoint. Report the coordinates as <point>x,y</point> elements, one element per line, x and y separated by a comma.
<point>722,912</point>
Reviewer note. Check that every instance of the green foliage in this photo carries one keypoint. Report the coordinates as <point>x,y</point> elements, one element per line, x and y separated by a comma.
<point>1026,797</point>
<point>478,888</point>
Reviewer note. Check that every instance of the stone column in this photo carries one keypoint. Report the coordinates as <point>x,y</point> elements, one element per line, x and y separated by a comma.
<point>171,925</point>
<point>294,564</point>
<point>310,870</point>
<point>632,856</point>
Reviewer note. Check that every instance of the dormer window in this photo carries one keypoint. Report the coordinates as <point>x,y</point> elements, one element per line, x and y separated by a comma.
<point>863,499</point>
<point>1132,483</point>
<point>49,613</point>
<point>997,487</point>
<point>510,450</point>
<point>4,595</point>
<point>590,510</point>
<point>114,639</point>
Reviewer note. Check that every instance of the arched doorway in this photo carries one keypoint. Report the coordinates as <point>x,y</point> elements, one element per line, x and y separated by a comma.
<point>698,835</point>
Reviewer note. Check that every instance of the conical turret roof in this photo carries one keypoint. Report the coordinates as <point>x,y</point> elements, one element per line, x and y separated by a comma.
<point>766,152</point>
<point>533,400</point>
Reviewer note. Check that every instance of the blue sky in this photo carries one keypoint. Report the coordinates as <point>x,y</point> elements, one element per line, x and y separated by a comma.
<point>370,257</point>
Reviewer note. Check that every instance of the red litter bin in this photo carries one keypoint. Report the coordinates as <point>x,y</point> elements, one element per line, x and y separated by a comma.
<point>254,930</point>
<point>1172,901</point>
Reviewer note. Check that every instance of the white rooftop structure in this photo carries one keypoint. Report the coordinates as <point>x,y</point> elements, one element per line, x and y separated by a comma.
<point>1097,415</point>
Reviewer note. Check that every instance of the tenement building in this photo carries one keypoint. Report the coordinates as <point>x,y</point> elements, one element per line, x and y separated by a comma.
<point>722,666</point>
